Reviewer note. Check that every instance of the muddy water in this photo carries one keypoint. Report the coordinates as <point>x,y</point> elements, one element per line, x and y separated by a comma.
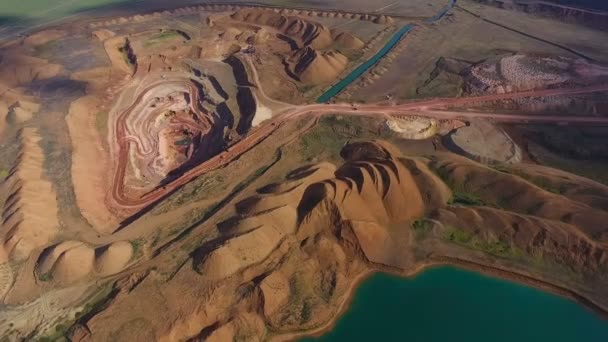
<point>449,304</point>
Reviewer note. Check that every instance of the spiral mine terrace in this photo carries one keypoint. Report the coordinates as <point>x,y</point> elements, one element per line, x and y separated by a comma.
<point>166,129</point>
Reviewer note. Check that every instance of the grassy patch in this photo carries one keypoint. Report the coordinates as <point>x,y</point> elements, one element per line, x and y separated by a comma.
<point>137,246</point>
<point>305,88</point>
<point>353,55</point>
<point>422,227</point>
<point>186,228</point>
<point>46,276</point>
<point>125,57</point>
<point>458,235</point>
<point>467,199</point>
<point>494,247</point>
<point>57,335</point>
<point>205,186</point>
<point>541,182</point>
<point>326,139</point>
<point>3,174</point>
<point>46,50</point>
<point>161,37</point>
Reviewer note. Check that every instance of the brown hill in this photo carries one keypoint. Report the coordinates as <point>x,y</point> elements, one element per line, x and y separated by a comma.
<point>288,259</point>
<point>314,67</point>
<point>44,37</point>
<point>302,31</point>
<point>514,193</point>
<point>70,261</point>
<point>348,41</point>
<point>15,107</point>
<point>18,69</point>
<point>29,215</point>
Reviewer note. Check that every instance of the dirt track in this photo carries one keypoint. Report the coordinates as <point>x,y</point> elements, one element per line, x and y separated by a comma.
<point>121,202</point>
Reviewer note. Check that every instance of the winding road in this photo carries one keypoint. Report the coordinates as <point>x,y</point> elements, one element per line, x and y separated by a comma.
<point>121,201</point>
<point>125,201</point>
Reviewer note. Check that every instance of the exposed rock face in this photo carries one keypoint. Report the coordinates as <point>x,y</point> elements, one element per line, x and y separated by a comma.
<point>314,67</point>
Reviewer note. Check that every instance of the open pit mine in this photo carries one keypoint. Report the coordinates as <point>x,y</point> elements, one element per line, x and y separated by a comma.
<point>233,171</point>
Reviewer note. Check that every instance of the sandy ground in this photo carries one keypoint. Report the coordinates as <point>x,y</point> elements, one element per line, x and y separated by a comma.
<point>89,164</point>
<point>485,142</point>
<point>467,38</point>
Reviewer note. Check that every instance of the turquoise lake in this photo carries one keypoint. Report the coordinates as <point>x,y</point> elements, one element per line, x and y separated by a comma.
<point>450,304</point>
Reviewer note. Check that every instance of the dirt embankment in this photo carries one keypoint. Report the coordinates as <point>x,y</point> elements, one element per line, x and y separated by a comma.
<point>375,18</point>
<point>30,214</point>
<point>89,162</point>
<point>15,106</point>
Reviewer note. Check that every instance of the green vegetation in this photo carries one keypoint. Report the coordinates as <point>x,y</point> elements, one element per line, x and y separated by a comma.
<point>25,12</point>
<point>305,88</point>
<point>47,49</point>
<point>161,37</point>
<point>468,199</point>
<point>137,245</point>
<point>46,277</point>
<point>300,301</point>
<point>186,228</point>
<point>458,235</point>
<point>578,150</point>
<point>596,170</point>
<point>541,182</point>
<point>3,174</point>
<point>57,335</point>
<point>326,139</point>
<point>125,55</point>
<point>204,187</point>
<point>96,301</point>
<point>460,195</point>
<point>422,227</point>
<point>352,55</point>
<point>470,240</point>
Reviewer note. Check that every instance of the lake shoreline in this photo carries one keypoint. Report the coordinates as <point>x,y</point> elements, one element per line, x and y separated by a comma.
<point>485,270</point>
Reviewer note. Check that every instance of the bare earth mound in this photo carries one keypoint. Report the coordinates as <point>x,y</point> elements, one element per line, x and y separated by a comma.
<point>30,214</point>
<point>293,251</point>
<point>314,67</point>
<point>20,69</point>
<point>349,41</point>
<point>302,31</point>
<point>483,141</point>
<point>70,261</point>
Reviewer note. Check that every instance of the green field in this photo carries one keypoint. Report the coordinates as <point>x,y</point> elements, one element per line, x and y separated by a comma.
<point>36,12</point>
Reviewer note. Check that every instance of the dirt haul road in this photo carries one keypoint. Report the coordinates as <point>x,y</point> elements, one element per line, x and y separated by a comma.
<point>125,204</point>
